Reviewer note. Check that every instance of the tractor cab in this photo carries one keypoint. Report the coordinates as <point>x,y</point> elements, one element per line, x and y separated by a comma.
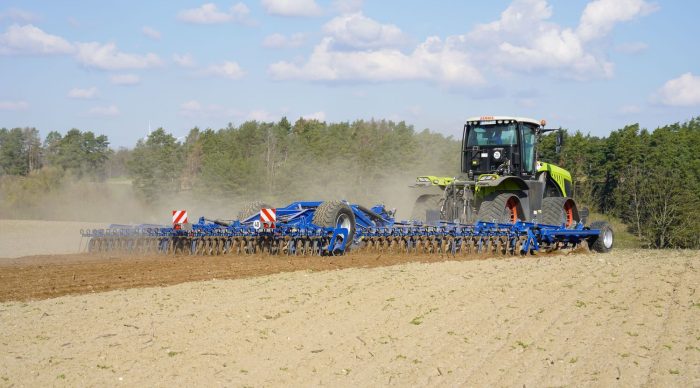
<point>499,145</point>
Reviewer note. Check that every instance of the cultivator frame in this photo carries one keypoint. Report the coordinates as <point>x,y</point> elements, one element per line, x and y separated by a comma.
<point>367,230</point>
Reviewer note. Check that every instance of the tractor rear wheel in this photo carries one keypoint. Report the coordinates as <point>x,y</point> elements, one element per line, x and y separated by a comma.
<point>602,243</point>
<point>252,209</point>
<point>336,214</point>
<point>504,208</point>
<point>559,211</point>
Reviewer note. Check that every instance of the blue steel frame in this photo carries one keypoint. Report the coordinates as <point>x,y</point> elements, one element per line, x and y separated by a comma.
<point>294,222</point>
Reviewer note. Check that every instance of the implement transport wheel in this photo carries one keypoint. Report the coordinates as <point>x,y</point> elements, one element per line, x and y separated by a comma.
<point>336,214</point>
<point>602,243</point>
<point>502,208</point>
<point>559,211</point>
<point>252,209</point>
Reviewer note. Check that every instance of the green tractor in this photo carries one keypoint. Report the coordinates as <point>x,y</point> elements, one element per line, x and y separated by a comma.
<point>503,182</point>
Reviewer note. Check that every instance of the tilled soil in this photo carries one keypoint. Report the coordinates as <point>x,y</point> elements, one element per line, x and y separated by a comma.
<point>48,276</point>
<point>629,318</point>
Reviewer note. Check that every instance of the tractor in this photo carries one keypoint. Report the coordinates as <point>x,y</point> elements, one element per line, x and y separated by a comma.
<point>507,203</point>
<point>502,181</point>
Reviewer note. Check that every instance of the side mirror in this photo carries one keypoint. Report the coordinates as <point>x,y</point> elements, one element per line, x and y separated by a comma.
<point>560,140</point>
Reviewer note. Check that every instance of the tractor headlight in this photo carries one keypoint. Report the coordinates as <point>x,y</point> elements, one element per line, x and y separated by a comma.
<point>497,154</point>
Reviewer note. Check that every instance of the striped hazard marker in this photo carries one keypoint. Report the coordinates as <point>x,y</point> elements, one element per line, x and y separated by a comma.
<point>268,217</point>
<point>179,217</point>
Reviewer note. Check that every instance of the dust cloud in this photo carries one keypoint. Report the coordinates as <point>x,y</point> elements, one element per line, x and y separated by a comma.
<point>116,201</point>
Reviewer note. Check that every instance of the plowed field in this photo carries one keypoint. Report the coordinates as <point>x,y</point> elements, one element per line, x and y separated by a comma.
<point>629,318</point>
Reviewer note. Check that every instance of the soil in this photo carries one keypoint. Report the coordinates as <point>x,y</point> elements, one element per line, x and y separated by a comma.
<point>627,318</point>
<point>49,276</point>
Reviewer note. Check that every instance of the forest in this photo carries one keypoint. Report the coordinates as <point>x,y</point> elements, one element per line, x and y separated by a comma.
<point>650,180</point>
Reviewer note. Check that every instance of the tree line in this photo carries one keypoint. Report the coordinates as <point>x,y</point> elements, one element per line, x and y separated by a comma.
<point>648,179</point>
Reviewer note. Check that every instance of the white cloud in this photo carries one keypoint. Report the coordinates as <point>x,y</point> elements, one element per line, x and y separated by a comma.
<point>229,69</point>
<point>283,41</point>
<point>19,15</point>
<point>347,6</point>
<point>632,47</point>
<point>108,57</point>
<point>198,110</point>
<point>629,109</point>
<point>415,110</point>
<point>209,13</point>
<point>358,31</point>
<point>125,79</point>
<point>681,91</point>
<point>151,32</point>
<point>184,60</point>
<point>29,39</point>
<point>432,60</point>
<point>526,41</point>
<point>261,115</point>
<point>292,7</point>
<point>195,109</point>
<point>600,16</point>
<point>320,116</point>
<point>83,94</point>
<point>104,111</point>
<point>13,105</point>
<point>190,108</point>
<point>240,13</point>
<point>522,40</point>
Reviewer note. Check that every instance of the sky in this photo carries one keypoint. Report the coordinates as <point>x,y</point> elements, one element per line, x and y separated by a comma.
<point>120,68</point>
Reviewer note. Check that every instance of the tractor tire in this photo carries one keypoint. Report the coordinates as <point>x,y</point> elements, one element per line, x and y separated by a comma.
<point>603,243</point>
<point>559,211</point>
<point>251,209</point>
<point>502,208</point>
<point>334,214</point>
<point>424,203</point>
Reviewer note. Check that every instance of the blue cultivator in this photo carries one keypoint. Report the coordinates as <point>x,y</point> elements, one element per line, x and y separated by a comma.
<point>336,228</point>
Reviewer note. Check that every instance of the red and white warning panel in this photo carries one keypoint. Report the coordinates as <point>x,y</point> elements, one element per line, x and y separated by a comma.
<point>179,217</point>
<point>268,217</point>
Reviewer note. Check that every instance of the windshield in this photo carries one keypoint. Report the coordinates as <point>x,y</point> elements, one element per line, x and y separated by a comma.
<point>492,135</point>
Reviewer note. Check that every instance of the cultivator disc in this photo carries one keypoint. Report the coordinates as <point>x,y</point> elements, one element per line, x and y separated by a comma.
<point>485,239</point>
<point>222,241</point>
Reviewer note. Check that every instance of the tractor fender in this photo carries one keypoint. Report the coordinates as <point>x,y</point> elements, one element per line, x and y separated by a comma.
<point>510,182</point>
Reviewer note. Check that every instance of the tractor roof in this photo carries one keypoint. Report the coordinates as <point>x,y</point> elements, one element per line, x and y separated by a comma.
<point>507,118</point>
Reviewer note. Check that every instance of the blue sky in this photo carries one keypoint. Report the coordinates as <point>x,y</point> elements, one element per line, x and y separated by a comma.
<point>113,67</point>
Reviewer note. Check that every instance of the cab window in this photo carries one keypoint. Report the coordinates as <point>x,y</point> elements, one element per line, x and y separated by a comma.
<point>492,135</point>
<point>528,148</point>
